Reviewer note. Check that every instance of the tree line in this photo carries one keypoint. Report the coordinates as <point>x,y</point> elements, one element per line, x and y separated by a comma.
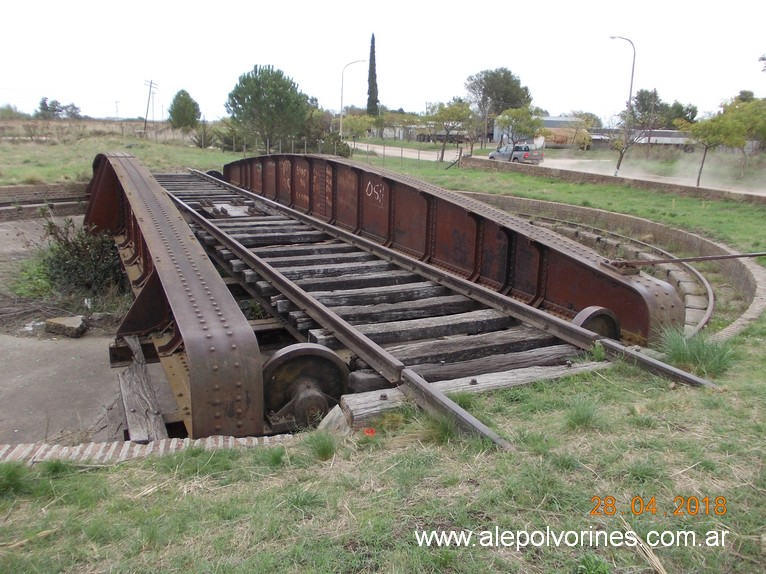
<point>267,109</point>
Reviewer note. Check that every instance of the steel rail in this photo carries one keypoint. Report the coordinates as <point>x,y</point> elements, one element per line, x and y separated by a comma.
<point>621,263</point>
<point>413,385</point>
<point>564,330</point>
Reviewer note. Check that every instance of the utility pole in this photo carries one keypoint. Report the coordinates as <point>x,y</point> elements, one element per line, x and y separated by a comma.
<point>152,86</point>
<point>629,111</point>
<point>117,108</point>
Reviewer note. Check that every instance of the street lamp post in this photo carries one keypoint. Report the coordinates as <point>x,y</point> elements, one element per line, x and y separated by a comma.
<point>340,129</point>
<point>630,103</point>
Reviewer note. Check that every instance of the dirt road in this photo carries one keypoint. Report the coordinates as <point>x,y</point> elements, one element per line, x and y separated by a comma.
<point>599,166</point>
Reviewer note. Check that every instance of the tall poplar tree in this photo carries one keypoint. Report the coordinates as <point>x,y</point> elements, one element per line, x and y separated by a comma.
<point>372,83</point>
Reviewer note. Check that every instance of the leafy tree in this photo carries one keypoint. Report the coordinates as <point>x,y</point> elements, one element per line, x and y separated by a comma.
<point>678,111</point>
<point>448,118</point>
<point>745,96</point>
<point>645,110</point>
<point>358,126</point>
<point>407,121</point>
<point>9,112</point>
<point>268,105</point>
<point>590,120</point>
<point>52,110</point>
<point>581,136</point>
<point>184,112</point>
<point>708,133</point>
<point>372,83</point>
<point>746,121</point>
<point>493,91</point>
<point>475,130</point>
<point>741,120</point>
<point>649,112</point>
<point>519,123</point>
<point>204,136</point>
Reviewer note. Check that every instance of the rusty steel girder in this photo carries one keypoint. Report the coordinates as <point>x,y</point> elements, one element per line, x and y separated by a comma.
<point>464,237</point>
<point>207,348</point>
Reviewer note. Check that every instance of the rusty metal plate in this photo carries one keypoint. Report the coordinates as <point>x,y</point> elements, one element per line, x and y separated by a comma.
<point>474,242</point>
<point>202,319</point>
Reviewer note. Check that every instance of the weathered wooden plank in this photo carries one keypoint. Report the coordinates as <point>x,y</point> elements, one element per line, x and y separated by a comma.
<point>144,418</point>
<point>249,223</point>
<point>320,248</point>
<point>277,237</point>
<point>344,269</point>
<point>361,409</point>
<point>224,253</point>
<point>543,356</point>
<point>266,325</point>
<point>473,322</point>
<point>464,347</point>
<point>316,259</point>
<point>450,304</point>
<point>350,281</point>
<point>377,295</point>
<point>445,305</point>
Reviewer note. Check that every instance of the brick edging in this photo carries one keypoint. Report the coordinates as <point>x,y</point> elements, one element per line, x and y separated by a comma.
<point>119,451</point>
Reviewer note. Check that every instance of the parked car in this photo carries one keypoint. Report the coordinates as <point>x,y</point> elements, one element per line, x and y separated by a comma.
<point>522,153</point>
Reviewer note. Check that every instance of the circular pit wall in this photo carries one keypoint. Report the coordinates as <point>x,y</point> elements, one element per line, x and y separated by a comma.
<point>747,277</point>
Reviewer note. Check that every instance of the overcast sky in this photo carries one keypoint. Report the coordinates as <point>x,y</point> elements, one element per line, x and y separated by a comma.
<point>100,55</point>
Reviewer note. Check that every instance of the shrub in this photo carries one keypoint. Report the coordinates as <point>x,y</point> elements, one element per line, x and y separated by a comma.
<point>79,261</point>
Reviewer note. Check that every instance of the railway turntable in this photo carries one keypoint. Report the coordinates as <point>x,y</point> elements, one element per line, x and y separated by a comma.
<point>270,290</point>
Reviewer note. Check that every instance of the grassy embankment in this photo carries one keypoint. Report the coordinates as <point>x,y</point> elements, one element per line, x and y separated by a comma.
<point>324,504</point>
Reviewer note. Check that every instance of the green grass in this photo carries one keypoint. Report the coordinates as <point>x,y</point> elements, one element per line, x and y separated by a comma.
<point>329,504</point>
<point>322,445</point>
<point>27,163</point>
<point>583,414</point>
<point>697,354</point>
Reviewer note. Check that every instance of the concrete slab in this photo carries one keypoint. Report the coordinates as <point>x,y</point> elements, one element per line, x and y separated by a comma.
<point>57,390</point>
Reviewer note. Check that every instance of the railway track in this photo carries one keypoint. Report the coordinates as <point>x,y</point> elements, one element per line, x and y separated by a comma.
<point>384,320</point>
<point>26,203</point>
<point>340,309</point>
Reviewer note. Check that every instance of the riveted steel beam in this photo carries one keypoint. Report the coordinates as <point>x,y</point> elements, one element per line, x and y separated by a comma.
<point>207,348</point>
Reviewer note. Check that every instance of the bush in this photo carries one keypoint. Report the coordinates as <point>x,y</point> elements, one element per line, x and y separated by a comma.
<point>79,261</point>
